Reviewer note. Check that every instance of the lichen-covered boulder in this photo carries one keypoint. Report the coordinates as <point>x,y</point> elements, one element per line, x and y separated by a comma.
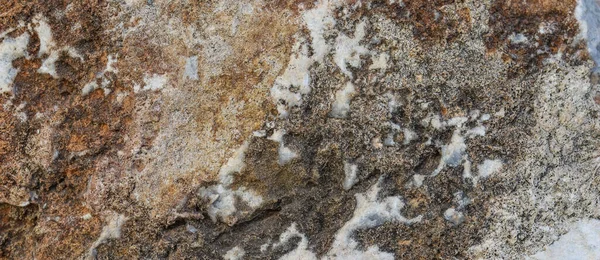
<point>326,129</point>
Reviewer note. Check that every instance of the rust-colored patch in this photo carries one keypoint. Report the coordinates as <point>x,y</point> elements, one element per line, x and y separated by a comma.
<point>432,23</point>
<point>527,17</point>
<point>17,230</point>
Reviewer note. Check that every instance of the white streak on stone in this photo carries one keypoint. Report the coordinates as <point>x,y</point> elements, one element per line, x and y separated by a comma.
<point>259,133</point>
<point>89,87</point>
<point>348,50</point>
<point>154,82</point>
<point>110,231</point>
<point>277,135</point>
<point>236,253</point>
<point>110,64</point>
<point>301,251</point>
<point>318,21</point>
<point>476,131</point>
<point>467,169</point>
<point>10,50</point>
<point>457,121</point>
<point>351,174</point>
<point>369,212</point>
<point>518,38</point>
<point>22,116</point>
<point>44,33</point>
<point>73,53</point>
<point>452,153</point>
<point>587,13</point>
<point>47,46</point>
<point>489,167</point>
<point>581,242</point>
<point>105,81</point>
<point>296,74</point>
<point>221,198</point>
<point>436,122</point>
<point>191,68</point>
<point>409,136</point>
<point>285,153</point>
<point>501,113</point>
<point>49,65</point>
<point>341,105</point>
<point>6,32</point>
<point>264,247</point>
<point>393,103</point>
<point>453,216</point>
<point>389,139</point>
<point>380,62</point>
<point>418,180</point>
<point>235,164</point>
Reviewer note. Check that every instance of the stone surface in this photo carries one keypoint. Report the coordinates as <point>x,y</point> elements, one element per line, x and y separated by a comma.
<point>330,129</point>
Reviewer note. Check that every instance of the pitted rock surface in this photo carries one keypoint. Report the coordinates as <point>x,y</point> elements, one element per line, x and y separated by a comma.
<point>326,129</point>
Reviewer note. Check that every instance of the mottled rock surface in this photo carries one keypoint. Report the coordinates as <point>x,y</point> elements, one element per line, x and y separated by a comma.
<point>329,129</point>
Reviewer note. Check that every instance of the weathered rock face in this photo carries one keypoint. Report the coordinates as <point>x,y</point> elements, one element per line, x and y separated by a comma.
<point>299,130</point>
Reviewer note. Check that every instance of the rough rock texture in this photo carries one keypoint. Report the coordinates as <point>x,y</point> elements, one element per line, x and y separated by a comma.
<point>330,129</point>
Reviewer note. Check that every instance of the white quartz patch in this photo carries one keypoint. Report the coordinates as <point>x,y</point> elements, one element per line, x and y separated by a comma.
<point>288,89</point>
<point>221,198</point>
<point>89,87</point>
<point>234,165</point>
<point>301,251</point>
<point>285,153</point>
<point>489,167</point>
<point>191,68</point>
<point>518,38</point>
<point>379,62</point>
<point>418,179</point>
<point>10,50</point>
<point>105,81</point>
<point>452,153</point>
<point>296,74</point>
<point>341,105</point>
<point>389,139</point>
<point>582,241</point>
<point>319,20</point>
<point>49,65</point>
<point>455,152</point>
<point>348,50</point>
<point>236,253</point>
<point>476,131</point>
<point>153,82</point>
<point>6,32</point>
<point>110,64</point>
<point>48,46</point>
<point>587,13</point>
<point>351,175</point>
<point>44,33</point>
<point>110,231</point>
<point>453,216</point>
<point>409,136</point>
<point>370,212</point>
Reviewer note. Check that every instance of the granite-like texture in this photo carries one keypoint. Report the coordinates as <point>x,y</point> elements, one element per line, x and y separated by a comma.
<point>330,129</point>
